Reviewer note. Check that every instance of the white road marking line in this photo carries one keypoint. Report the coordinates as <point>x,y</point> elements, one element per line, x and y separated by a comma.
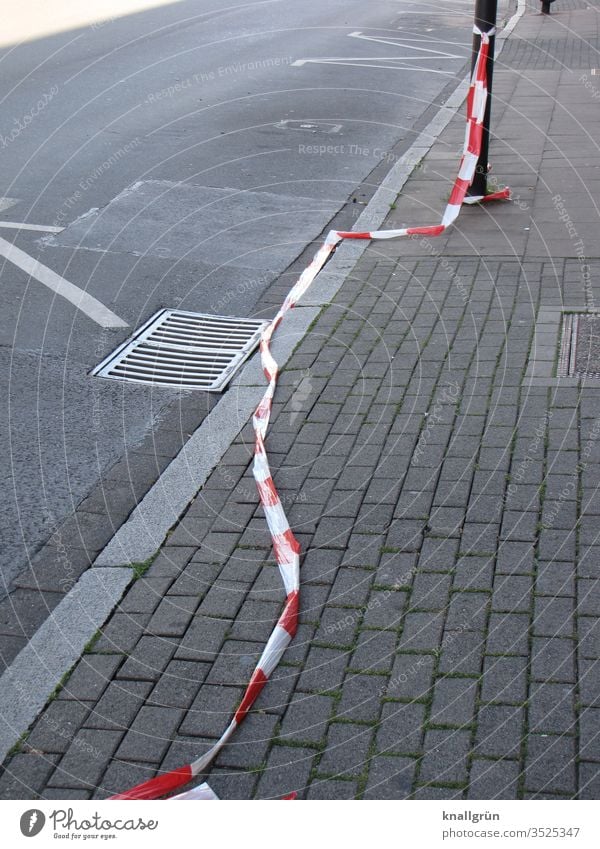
<point>364,63</point>
<point>6,203</point>
<point>40,228</point>
<point>84,302</point>
<point>405,43</point>
<point>392,63</point>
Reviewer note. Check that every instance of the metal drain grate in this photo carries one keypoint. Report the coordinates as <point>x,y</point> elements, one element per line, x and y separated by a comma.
<point>580,346</point>
<point>187,350</point>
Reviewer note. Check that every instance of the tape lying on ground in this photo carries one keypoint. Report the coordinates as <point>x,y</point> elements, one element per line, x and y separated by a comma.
<point>285,545</point>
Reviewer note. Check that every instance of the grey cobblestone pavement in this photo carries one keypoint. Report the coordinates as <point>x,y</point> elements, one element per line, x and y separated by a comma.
<point>446,498</point>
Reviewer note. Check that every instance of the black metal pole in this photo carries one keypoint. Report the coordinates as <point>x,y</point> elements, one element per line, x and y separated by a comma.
<point>485,20</point>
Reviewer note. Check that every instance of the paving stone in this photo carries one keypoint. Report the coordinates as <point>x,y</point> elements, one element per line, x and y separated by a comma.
<point>385,609</point>
<point>178,684</point>
<point>438,555</point>
<point>401,728</point>
<point>148,659</point>
<point>468,611</point>
<point>374,651</point>
<point>445,758</point>
<point>453,701</point>
<point>223,599</point>
<point>589,682</point>
<point>499,731</point>
<point>25,775</point>
<point>145,595</point>
<point>589,636</point>
<point>412,676</point>
<point>351,587</point>
<point>235,663</point>
<point>85,761</point>
<point>338,626</point>
<point>118,705</point>
<point>150,734</point>
<point>328,788</point>
<point>346,749</point>
<point>287,771</point>
<point>90,677</point>
<point>494,780</point>
<point>170,562</point>
<point>553,617</point>
<point>323,670</point>
<point>306,718</point>
<point>172,616</point>
<point>553,659</point>
<point>249,747</point>
<point>504,680</point>
<point>211,711</point>
<point>478,538</point>
<point>550,764</point>
<point>588,597</point>
<point>474,573</point>
<point>233,784</point>
<point>321,565</point>
<point>390,778</point>
<point>196,580</point>
<point>57,726</point>
<point>361,697</point>
<point>363,550</point>
<point>589,734</point>
<point>255,620</point>
<point>589,781</point>
<point>430,591</point>
<point>462,652</point>
<point>404,535</point>
<point>203,639</point>
<point>512,593</point>
<point>552,708</point>
<point>120,775</point>
<point>122,632</point>
<point>508,633</point>
<point>421,631</point>
<point>515,558</point>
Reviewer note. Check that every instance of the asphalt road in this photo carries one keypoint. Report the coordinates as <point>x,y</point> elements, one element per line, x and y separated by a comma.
<point>188,153</point>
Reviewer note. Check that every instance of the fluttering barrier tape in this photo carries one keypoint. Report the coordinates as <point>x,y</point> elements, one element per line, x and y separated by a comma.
<point>286,547</point>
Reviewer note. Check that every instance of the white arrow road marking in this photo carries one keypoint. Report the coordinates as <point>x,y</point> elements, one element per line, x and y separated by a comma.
<point>40,228</point>
<point>393,63</point>
<point>407,45</point>
<point>84,302</point>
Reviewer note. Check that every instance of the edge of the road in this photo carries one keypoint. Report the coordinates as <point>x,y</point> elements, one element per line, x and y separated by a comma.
<point>59,642</point>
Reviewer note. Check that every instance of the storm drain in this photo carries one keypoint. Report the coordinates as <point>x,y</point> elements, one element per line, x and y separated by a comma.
<point>186,350</point>
<point>580,346</point>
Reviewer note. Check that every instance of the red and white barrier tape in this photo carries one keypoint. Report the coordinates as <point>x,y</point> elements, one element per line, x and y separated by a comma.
<point>285,545</point>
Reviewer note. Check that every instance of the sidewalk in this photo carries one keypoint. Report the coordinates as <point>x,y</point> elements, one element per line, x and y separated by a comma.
<point>443,483</point>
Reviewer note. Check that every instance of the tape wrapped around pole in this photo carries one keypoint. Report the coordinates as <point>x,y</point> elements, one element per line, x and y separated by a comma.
<point>285,544</point>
